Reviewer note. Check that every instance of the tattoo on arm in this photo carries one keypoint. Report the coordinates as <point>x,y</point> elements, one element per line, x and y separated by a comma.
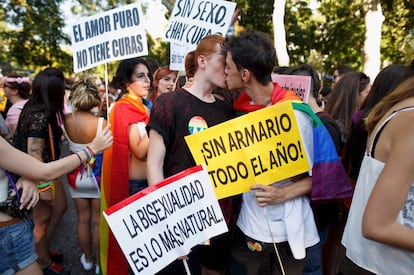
<point>35,147</point>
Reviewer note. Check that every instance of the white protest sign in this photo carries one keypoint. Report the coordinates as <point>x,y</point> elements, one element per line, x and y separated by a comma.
<point>163,222</point>
<point>191,20</point>
<point>177,56</point>
<point>300,84</point>
<point>112,35</point>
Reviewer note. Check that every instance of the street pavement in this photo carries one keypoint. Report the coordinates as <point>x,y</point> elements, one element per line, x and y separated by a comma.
<point>65,239</point>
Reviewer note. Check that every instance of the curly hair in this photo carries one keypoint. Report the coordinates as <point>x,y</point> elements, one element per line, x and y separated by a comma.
<point>84,94</point>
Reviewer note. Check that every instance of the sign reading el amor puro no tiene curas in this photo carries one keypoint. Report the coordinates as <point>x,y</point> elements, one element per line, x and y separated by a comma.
<point>108,36</point>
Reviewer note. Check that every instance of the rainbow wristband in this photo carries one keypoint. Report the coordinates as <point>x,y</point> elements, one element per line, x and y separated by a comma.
<point>88,155</point>
<point>90,151</point>
<point>44,185</point>
<point>44,189</point>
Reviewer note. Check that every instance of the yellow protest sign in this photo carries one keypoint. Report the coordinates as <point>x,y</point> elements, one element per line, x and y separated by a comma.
<point>264,146</point>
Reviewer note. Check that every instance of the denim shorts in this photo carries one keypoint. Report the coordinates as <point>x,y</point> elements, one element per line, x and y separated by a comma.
<point>137,185</point>
<point>17,246</point>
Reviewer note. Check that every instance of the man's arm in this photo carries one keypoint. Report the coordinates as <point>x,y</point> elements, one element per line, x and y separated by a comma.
<point>155,159</point>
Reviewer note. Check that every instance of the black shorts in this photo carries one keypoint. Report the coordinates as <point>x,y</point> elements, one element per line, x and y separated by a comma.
<point>261,258</point>
<point>216,255</point>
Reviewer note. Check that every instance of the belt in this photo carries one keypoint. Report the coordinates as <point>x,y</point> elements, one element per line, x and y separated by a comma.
<point>10,222</point>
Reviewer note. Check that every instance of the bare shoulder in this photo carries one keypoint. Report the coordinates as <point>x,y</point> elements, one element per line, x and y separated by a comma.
<point>402,122</point>
<point>401,133</point>
<point>81,127</point>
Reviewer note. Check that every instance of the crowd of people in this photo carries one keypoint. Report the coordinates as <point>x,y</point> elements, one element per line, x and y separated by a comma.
<point>356,200</point>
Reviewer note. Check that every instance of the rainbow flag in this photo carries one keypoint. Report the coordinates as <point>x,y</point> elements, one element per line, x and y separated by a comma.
<point>329,178</point>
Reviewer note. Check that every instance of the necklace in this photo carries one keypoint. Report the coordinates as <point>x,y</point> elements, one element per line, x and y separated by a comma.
<point>268,102</point>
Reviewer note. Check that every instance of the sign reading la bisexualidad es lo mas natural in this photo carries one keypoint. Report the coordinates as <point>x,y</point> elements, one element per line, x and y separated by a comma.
<point>163,222</point>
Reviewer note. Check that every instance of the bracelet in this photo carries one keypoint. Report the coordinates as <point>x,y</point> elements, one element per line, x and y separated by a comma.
<point>90,151</point>
<point>44,189</point>
<point>44,185</point>
<point>88,155</point>
<point>80,159</point>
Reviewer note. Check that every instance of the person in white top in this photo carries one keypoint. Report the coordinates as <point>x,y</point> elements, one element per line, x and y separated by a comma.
<point>80,128</point>
<point>274,220</point>
<point>379,233</point>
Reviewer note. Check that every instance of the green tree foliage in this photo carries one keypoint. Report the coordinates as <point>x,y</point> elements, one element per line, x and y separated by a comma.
<point>300,31</point>
<point>335,33</point>
<point>256,14</point>
<point>341,33</point>
<point>343,30</point>
<point>36,36</point>
<point>88,7</point>
<point>4,52</point>
<point>398,32</point>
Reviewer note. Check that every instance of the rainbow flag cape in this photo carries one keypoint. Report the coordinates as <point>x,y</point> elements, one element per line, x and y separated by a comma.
<point>329,178</point>
<point>115,179</point>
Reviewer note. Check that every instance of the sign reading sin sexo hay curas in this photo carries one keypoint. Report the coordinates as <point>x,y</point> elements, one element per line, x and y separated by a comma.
<point>263,147</point>
<point>108,36</point>
<point>192,20</point>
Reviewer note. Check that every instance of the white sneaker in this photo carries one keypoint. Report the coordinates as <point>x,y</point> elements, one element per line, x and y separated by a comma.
<point>97,270</point>
<point>86,265</point>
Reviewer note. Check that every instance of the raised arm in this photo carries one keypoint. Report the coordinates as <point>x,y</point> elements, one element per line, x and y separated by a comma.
<point>17,162</point>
